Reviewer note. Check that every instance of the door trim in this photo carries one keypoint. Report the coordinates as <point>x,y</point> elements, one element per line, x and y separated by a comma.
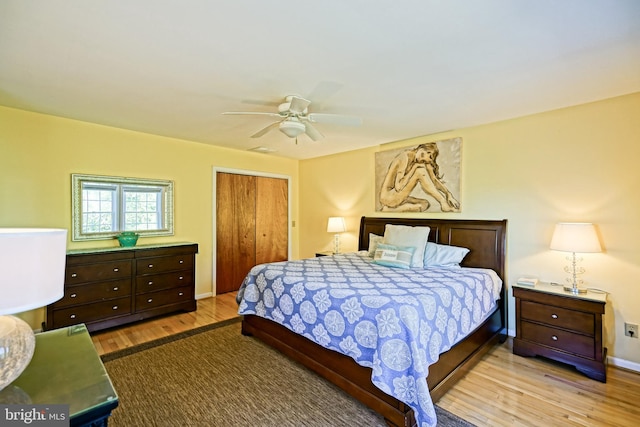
<point>217,169</point>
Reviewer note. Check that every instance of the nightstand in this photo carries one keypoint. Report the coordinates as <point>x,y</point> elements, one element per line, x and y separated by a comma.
<point>328,253</point>
<point>561,326</point>
<point>66,370</point>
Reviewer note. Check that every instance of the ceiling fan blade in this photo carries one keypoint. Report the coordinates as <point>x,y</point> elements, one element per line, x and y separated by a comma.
<point>265,130</point>
<point>335,119</point>
<point>298,105</point>
<point>250,113</point>
<point>312,132</point>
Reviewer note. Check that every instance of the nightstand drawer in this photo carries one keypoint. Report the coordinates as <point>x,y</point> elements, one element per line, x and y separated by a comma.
<point>558,338</point>
<point>558,317</point>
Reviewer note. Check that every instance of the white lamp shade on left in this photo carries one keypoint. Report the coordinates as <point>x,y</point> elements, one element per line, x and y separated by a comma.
<point>32,263</point>
<point>336,225</point>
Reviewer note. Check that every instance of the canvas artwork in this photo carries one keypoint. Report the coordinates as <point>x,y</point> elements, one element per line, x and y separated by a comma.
<point>422,178</point>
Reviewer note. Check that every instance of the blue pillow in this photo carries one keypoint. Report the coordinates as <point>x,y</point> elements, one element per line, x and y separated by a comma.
<point>436,255</point>
<point>393,256</point>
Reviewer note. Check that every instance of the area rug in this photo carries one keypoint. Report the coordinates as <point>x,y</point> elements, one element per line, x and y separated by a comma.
<point>215,376</point>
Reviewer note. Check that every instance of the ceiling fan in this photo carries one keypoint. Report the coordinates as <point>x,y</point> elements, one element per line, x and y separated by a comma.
<point>295,119</point>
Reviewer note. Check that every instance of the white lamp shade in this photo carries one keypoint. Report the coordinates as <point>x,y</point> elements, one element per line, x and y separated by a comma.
<point>336,225</point>
<point>575,237</point>
<point>32,264</point>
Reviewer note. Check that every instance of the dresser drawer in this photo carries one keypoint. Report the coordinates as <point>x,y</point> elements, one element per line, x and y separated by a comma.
<point>559,339</point>
<point>160,298</point>
<point>76,274</point>
<point>558,317</point>
<point>90,312</point>
<point>156,282</point>
<point>94,292</point>
<point>162,264</point>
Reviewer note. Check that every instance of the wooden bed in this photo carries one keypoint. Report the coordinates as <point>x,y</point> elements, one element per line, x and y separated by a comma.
<point>486,241</point>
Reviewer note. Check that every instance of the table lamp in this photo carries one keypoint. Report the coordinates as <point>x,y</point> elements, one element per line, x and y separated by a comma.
<point>575,237</point>
<point>336,225</point>
<point>32,264</point>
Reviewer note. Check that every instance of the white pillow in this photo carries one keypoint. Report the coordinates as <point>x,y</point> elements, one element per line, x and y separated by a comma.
<point>374,240</point>
<point>436,255</point>
<point>404,235</point>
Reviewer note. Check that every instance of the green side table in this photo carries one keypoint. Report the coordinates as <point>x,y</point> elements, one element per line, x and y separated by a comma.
<point>66,369</point>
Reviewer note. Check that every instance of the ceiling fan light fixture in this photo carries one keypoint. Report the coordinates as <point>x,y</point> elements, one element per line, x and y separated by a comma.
<point>292,128</point>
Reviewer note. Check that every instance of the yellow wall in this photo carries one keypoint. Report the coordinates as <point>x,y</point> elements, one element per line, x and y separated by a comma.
<point>574,164</point>
<point>38,154</point>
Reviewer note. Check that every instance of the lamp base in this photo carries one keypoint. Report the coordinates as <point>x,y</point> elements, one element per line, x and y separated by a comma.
<point>575,291</point>
<point>17,344</point>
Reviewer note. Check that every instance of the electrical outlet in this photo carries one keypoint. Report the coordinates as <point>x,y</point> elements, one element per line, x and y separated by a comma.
<point>631,330</point>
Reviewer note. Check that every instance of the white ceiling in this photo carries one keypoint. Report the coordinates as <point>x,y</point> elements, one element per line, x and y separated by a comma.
<point>406,67</point>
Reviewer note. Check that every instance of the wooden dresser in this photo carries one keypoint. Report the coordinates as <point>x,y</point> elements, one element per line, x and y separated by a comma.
<point>561,326</point>
<point>111,287</point>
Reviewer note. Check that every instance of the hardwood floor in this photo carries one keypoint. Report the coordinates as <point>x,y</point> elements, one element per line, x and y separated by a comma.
<point>210,310</point>
<point>502,390</point>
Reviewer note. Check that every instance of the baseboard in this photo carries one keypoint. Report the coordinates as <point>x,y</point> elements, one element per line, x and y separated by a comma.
<point>205,295</point>
<point>624,364</point>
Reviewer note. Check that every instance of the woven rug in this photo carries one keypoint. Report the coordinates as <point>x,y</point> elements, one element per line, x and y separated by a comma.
<point>215,376</point>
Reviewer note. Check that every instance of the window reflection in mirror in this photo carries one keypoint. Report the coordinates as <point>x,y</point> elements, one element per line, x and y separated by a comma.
<point>104,206</point>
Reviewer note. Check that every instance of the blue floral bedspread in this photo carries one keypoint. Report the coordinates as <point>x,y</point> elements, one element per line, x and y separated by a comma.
<point>392,320</point>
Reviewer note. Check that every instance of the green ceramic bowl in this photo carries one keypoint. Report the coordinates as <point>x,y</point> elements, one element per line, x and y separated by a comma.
<point>127,238</point>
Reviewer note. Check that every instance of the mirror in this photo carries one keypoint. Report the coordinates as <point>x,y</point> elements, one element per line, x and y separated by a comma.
<point>104,206</point>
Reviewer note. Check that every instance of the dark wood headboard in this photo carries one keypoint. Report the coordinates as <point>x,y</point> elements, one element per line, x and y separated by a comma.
<point>485,239</point>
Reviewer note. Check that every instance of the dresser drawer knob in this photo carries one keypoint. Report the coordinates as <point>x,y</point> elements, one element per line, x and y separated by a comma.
<point>554,337</point>
<point>554,316</point>
<point>150,300</point>
<point>150,282</point>
<point>180,278</point>
<point>73,316</point>
<point>73,295</point>
<point>181,262</point>
<point>74,275</point>
<point>115,288</point>
<point>150,265</point>
<point>180,293</point>
<point>116,269</point>
<point>115,307</point>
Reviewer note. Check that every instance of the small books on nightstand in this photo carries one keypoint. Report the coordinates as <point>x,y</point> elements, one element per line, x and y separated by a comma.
<point>527,281</point>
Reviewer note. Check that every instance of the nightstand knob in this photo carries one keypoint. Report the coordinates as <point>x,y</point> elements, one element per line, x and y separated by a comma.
<point>73,295</point>
<point>180,278</point>
<point>73,316</point>
<point>181,262</point>
<point>150,265</point>
<point>150,300</point>
<point>115,288</point>
<point>181,293</point>
<point>74,275</point>
<point>116,269</point>
<point>115,307</point>
<point>554,316</point>
<point>553,337</point>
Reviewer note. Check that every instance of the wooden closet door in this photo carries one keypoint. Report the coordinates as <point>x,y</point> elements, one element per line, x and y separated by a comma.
<point>272,220</point>
<point>235,229</point>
